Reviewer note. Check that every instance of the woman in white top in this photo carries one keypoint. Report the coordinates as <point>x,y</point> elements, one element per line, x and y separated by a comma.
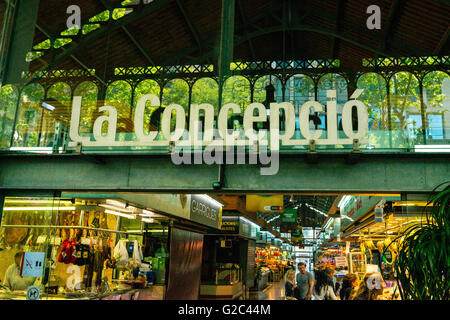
<point>322,290</point>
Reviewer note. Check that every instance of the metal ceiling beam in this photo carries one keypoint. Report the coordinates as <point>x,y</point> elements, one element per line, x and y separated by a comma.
<point>138,13</point>
<point>213,40</point>
<point>245,28</point>
<point>392,19</point>
<point>190,25</point>
<point>310,28</point>
<point>77,59</point>
<point>302,27</point>
<point>443,42</point>
<point>339,14</point>
<point>136,43</point>
<point>226,37</point>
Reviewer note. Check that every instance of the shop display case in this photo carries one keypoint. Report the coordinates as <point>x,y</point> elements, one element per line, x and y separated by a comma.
<point>274,260</point>
<point>77,241</point>
<point>227,283</point>
<point>357,263</point>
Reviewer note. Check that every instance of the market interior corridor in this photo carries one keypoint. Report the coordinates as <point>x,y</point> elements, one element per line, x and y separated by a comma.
<point>274,291</point>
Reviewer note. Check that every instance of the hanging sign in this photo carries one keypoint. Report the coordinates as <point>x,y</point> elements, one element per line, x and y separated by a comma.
<point>258,203</point>
<point>205,211</point>
<point>230,225</point>
<point>289,216</point>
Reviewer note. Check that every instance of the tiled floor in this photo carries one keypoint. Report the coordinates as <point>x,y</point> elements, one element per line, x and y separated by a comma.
<point>275,291</point>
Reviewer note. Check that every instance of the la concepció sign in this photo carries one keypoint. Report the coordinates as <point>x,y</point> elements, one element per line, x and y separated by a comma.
<point>223,136</point>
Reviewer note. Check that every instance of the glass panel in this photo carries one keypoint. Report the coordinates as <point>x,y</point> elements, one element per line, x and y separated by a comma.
<point>259,94</point>
<point>176,91</point>
<point>118,95</point>
<point>29,117</point>
<point>9,96</point>
<point>26,227</point>
<point>56,110</point>
<point>436,99</point>
<point>404,99</point>
<point>236,89</point>
<point>143,88</point>
<point>89,93</point>
<point>79,240</point>
<point>374,97</point>
<point>206,90</point>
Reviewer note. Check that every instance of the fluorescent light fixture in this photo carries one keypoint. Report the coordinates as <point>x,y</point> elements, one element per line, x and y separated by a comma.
<point>345,217</point>
<point>274,218</point>
<point>314,209</point>
<point>248,221</point>
<point>115,208</point>
<point>38,208</point>
<point>116,203</point>
<point>328,223</point>
<point>43,150</point>
<point>35,201</point>
<point>344,201</point>
<point>432,148</point>
<point>147,220</point>
<point>208,198</point>
<point>129,216</point>
<point>146,213</point>
<point>48,106</point>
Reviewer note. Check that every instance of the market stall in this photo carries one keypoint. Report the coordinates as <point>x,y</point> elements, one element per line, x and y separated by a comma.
<point>379,238</point>
<point>274,260</point>
<point>80,249</point>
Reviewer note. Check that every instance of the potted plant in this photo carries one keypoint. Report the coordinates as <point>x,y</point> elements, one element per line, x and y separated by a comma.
<point>422,264</point>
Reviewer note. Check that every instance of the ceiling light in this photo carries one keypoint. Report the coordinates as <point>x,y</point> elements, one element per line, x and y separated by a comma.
<point>314,209</point>
<point>129,209</point>
<point>35,201</point>
<point>129,216</point>
<point>38,208</point>
<point>48,106</point>
<point>116,203</point>
<point>148,220</point>
<point>344,201</point>
<point>147,213</point>
<point>432,148</point>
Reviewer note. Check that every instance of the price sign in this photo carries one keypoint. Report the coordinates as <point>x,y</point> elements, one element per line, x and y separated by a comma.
<point>32,264</point>
<point>341,261</point>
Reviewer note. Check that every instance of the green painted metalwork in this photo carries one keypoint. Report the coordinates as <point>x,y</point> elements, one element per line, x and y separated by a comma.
<point>381,173</point>
<point>22,33</point>
<point>6,36</point>
<point>226,38</point>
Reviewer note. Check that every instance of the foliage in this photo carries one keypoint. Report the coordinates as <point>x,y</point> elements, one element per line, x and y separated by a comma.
<point>423,261</point>
<point>404,101</point>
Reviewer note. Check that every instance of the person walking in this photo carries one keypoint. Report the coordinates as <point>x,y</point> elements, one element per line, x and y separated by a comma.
<point>304,282</point>
<point>322,288</point>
